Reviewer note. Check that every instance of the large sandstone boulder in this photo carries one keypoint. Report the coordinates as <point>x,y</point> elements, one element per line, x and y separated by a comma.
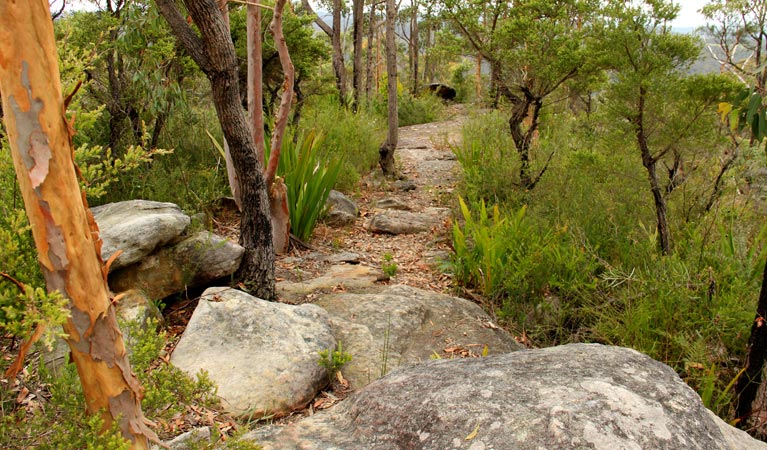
<point>137,227</point>
<point>403,325</point>
<point>194,261</point>
<point>262,355</point>
<point>582,396</point>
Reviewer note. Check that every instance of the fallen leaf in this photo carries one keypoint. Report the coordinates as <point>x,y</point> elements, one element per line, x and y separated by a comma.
<point>473,434</point>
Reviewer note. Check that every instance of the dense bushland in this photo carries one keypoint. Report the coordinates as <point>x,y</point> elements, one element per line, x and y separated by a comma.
<point>577,260</point>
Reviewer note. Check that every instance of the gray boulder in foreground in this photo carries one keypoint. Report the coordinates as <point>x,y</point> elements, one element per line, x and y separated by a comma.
<point>580,396</point>
<point>137,227</point>
<point>262,355</point>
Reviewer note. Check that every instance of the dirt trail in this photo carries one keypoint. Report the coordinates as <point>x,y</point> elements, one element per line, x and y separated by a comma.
<point>424,161</point>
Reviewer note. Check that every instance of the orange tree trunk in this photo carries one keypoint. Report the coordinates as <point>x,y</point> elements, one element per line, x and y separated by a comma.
<point>65,233</point>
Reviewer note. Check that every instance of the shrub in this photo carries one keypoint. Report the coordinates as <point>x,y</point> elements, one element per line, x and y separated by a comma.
<point>515,262</point>
<point>309,176</point>
<point>352,138</point>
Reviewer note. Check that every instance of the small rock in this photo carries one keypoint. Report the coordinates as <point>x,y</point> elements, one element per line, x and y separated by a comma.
<point>341,210</point>
<point>343,257</point>
<point>401,325</point>
<point>196,438</point>
<point>404,185</point>
<point>407,222</point>
<point>344,276</point>
<point>392,203</point>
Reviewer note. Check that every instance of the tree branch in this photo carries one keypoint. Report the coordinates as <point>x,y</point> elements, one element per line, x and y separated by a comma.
<point>317,19</point>
<point>184,33</point>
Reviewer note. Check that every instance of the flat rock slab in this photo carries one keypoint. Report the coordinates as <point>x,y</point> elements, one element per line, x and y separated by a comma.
<point>262,355</point>
<point>407,222</point>
<point>194,261</point>
<point>344,276</point>
<point>137,227</point>
<point>580,396</point>
<point>401,325</point>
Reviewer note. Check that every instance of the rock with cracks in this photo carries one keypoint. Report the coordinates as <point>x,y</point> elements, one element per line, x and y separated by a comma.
<point>137,227</point>
<point>262,355</point>
<point>406,222</point>
<point>194,261</point>
<point>401,325</point>
<point>580,396</point>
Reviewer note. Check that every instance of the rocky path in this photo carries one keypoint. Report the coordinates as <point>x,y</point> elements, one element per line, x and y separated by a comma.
<point>402,233</point>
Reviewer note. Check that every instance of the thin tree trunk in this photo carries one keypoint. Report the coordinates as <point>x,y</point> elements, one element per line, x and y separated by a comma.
<point>369,57</point>
<point>386,152</point>
<point>650,163</point>
<point>749,382</point>
<point>414,46</point>
<point>338,54</point>
<point>65,233</point>
<point>278,193</point>
<point>255,80</point>
<point>359,29</point>
<point>214,53</point>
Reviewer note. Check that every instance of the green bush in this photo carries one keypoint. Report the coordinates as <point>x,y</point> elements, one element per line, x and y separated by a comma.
<point>309,176</point>
<point>516,262</point>
<point>353,138</point>
<point>488,160</point>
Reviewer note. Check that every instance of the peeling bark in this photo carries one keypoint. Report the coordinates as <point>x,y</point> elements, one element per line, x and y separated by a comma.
<point>65,233</point>
<point>278,193</point>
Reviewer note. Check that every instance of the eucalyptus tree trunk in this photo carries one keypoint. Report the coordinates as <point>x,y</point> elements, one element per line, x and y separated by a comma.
<point>650,163</point>
<point>369,73</point>
<point>359,25</point>
<point>65,233</point>
<point>414,47</point>
<point>386,152</point>
<point>337,54</point>
<point>277,191</point>
<point>213,51</point>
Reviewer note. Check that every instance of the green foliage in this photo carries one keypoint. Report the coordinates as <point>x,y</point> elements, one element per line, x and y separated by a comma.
<point>309,175</point>
<point>487,148</point>
<point>60,421</point>
<point>389,267</point>
<point>100,169</point>
<point>333,359</point>
<point>412,110</point>
<point>167,389</point>
<point>353,138</point>
<point>514,261</point>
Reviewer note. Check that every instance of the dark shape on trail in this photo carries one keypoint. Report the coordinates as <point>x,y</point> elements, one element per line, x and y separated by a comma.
<point>442,91</point>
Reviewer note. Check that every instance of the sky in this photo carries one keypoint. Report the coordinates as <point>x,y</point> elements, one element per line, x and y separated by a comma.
<point>689,15</point>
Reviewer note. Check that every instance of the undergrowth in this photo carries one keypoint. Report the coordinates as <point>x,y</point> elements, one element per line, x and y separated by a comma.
<point>577,260</point>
